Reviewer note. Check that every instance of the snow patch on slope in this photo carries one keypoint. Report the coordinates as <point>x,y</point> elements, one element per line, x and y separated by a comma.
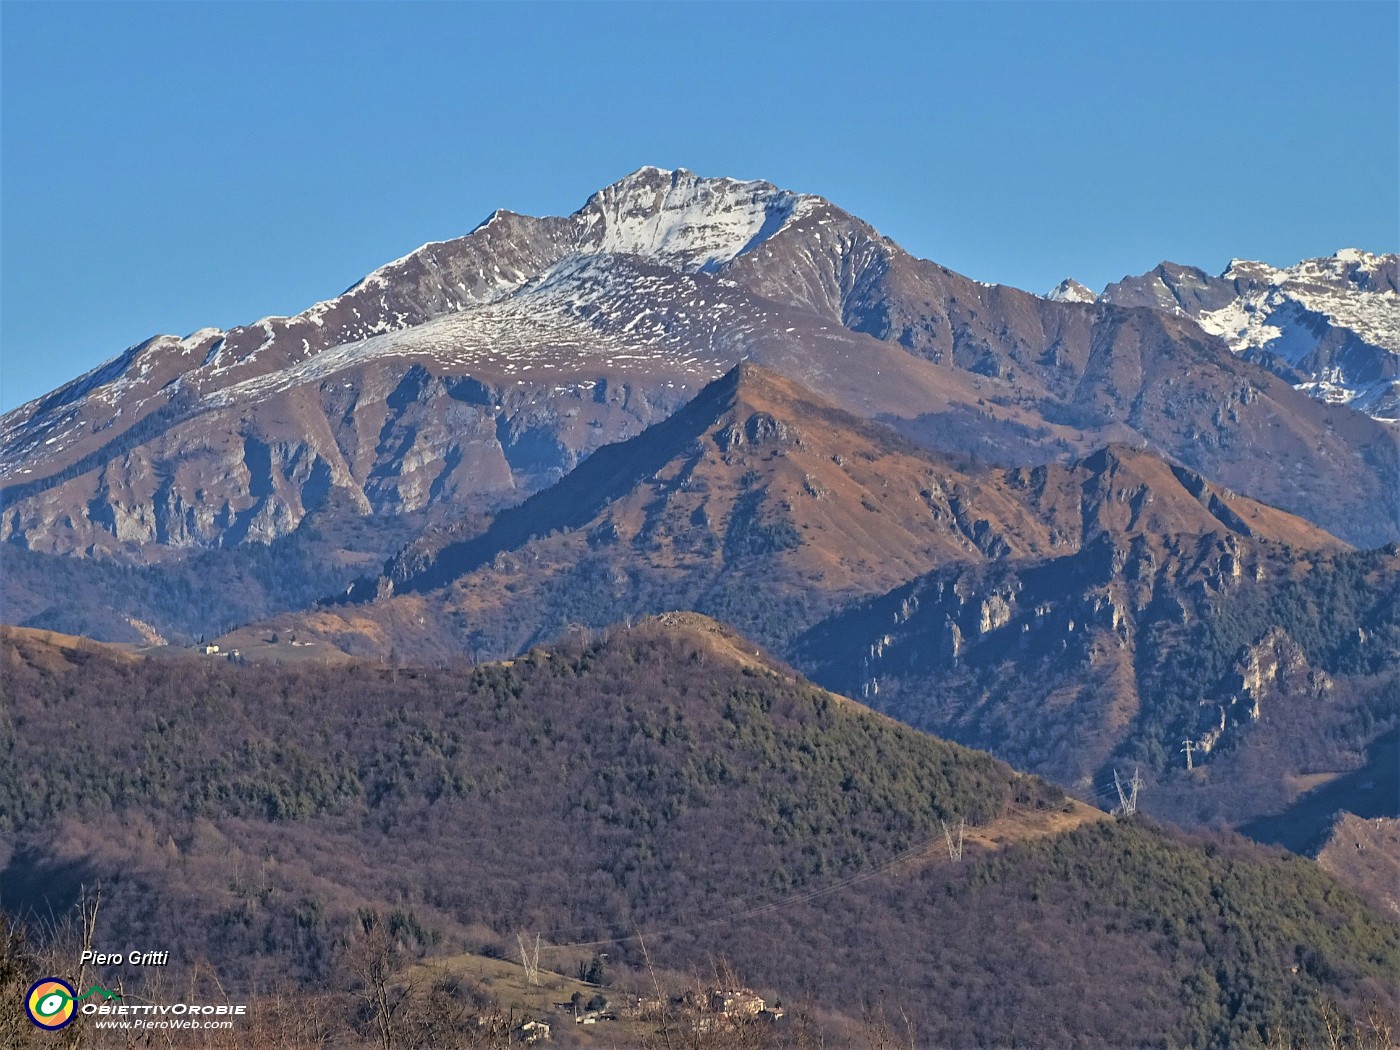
<point>695,223</point>
<point>1071,291</point>
<point>586,310</point>
<point>1328,287</point>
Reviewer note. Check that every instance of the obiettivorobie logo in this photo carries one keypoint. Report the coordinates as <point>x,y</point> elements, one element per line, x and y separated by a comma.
<point>52,1003</point>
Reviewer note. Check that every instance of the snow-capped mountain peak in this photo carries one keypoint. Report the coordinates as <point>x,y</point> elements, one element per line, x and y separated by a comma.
<point>1352,289</point>
<point>1361,270</point>
<point>690,222</point>
<point>473,369</point>
<point>1071,291</point>
<point>1331,325</point>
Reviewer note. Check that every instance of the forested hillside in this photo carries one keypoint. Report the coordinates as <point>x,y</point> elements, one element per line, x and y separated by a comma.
<point>669,780</point>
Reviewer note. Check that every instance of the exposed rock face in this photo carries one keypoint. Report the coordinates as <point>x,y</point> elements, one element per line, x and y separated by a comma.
<point>386,442</point>
<point>1046,661</point>
<point>474,371</point>
<point>996,611</point>
<point>1330,325</point>
<point>1275,663</point>
<point>1147,641</point>
<point>1268,664</point>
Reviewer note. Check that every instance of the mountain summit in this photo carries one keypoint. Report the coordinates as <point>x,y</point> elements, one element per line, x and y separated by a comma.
<point>475,371</point>
<point>1330,325</point>
<point>1071,291</point>
<point>690,222</point>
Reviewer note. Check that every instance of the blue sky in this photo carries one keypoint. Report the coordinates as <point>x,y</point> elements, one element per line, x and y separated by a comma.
<point>171,166</point>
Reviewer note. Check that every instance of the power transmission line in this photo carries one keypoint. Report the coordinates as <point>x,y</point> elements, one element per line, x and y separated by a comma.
<point>954,852</point>
<point>1191,745</point>
<point>529,959</point>
<point>1127,800</point>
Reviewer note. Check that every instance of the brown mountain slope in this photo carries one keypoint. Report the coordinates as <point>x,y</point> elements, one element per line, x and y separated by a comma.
<point>55,652</point>
<point>1130,494</point>
<point>477,370</point>
<point>1365,854</point>
<point>767,506</point>
<point>758,501</point>
<point>749,467</point>
<point>1088,375</point>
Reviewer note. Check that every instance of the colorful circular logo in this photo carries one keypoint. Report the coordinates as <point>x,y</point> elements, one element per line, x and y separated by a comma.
<point>50,1003</point>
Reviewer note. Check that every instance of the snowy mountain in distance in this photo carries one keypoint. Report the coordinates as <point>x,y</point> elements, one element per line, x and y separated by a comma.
<point>690,225</point>
<point>1071,291</point>
<point>474,371</point>
<point>1331,326</point>
<point>440,376</point>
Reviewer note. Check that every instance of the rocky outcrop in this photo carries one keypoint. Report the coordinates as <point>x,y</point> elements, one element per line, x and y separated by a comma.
<point>374,442</point>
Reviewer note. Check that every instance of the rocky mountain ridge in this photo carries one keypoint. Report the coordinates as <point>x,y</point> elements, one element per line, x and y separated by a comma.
<point>1228,668</point>
<point>763,504</point>
<point>1330,325</point>
<point>475,371</point>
